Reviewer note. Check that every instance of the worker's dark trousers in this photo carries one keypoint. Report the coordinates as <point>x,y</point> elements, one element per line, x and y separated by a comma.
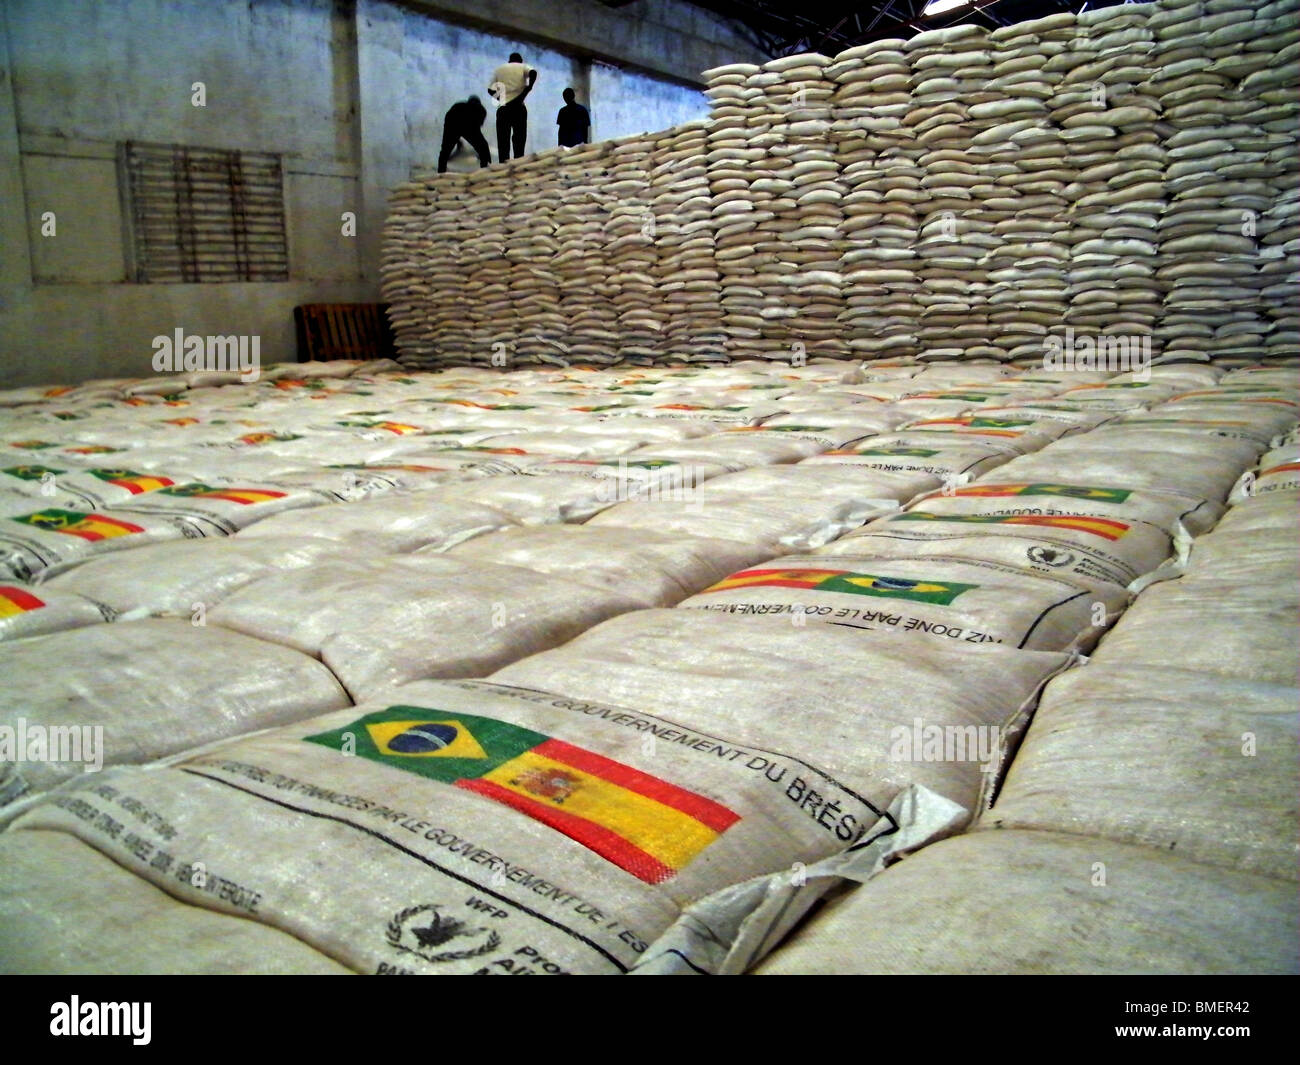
<point>451,137</point>
<point>512,125</point>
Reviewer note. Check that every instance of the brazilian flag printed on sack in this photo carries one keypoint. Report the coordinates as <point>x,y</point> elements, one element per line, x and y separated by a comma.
<point>941,593</point>
<point>643,824</point>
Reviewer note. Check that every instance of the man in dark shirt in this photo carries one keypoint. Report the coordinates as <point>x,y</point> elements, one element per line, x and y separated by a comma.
<point>574,121</point>
<point>464,120</point>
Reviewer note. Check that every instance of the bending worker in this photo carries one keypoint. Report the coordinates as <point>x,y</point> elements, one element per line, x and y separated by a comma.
<point>464,121</point>
<point>511,84</point>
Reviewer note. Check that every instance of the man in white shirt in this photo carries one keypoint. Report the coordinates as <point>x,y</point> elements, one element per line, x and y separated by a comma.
<point>511,83</point>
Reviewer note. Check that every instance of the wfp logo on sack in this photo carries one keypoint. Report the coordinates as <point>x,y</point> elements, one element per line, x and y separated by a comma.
<point>179,353</point>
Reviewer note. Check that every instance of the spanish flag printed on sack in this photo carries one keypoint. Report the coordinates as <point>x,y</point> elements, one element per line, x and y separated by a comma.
<point>231,495</point>
<point>1070,491</point>
<point>641,823</point>
<point>1107,528</point>
<point>843,580</point>
<point>135,483</point>
<point>78,523</point>
<point>17,601</point>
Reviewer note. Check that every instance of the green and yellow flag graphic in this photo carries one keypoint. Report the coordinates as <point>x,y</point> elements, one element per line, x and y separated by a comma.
<point>843,580</point>
<point>641,823</point>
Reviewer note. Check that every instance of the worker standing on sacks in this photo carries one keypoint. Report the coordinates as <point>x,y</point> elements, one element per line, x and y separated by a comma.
<point>511,84</point>
<point>574,121</point>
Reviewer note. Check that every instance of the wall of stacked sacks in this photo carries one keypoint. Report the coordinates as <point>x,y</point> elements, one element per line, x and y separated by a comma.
<point>573,664</point>
<point>1130,171</point>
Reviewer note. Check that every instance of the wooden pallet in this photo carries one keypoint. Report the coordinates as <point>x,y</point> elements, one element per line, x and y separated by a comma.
<point>343,331</point>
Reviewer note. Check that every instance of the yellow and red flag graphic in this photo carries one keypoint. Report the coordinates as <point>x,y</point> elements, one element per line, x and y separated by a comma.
<point>981,426</point>
<point>88,526</point>
<point>135,483</point>
<point>1106,528</point>
<point>231,495</point>
<point>17,601</point>
<point>642,823</point>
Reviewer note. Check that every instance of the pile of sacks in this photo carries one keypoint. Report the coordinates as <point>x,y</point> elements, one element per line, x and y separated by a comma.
<point>1108,113</point>
<point>684,269</point>
<point>424,271</point>
<point>1153,799</point>
<point>578,212</point>
<point>631,250</point>
<point>531,241</point>
<point>1230,114</point>
<point>950,73</point>
<point>875,149</point>
<point>1030,166</point>
<point>1125,175</point>
<point>777,206</point>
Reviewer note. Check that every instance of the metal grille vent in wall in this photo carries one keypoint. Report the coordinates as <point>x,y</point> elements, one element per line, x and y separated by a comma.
<point>205,214</point>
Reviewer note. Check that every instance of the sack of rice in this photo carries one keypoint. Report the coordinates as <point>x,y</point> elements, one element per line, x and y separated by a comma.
<point>1166,758</point>
<point>47,540</point>
<point>1251,557</point>
<point>1081,548</point>
<point>630,477</point>
<point>948,600</point>
<point>1279,471</point>
<point>993,902</point>
<point>29,611</point>
<point>1122,440</point>
<point>501,830</point>
<point>852,493</point>
<point>719,416</point>
<point>1021,434</point>
<point>199,509</point>
<point>1239,427</point>
<point>1277,510</point>
<point>883,700</point>
<point>1041,410</point>
<point>385,620</point>
<point>394,522</point>
<point>89,488</point>
<point>758,445</point>
<point>1270,412</point>
<point>1225,628</point>
<point>66,909</point>
<point>655,568</point>
<point>867,419</point>
<point>1003,495</point>
<point>937,461</point>
<point>568,445</point>
<point>189,577</point>
<point>134,691</point>
<point>767,523</point>
<point>530,500</point>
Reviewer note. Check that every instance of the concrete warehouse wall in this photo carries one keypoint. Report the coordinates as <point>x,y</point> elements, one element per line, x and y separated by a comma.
<point>351,94</point>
